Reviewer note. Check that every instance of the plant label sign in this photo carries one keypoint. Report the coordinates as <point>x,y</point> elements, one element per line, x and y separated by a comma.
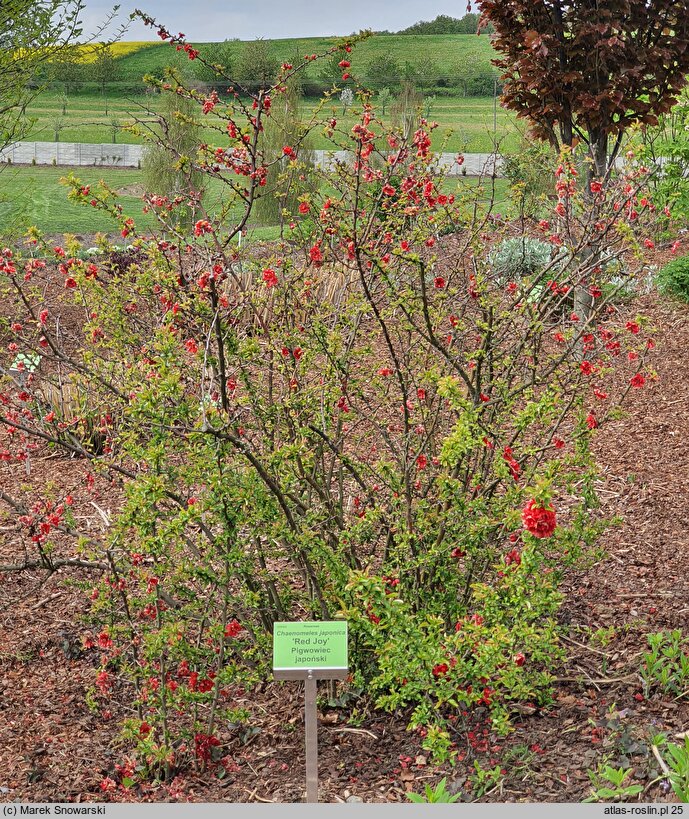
<point>310,651</point>
<point>319,647</point>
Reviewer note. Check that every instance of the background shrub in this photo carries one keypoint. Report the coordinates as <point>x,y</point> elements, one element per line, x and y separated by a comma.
<point>521,256</point>
<point>674,278</point>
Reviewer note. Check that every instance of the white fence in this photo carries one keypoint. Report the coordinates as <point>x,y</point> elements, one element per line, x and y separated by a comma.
<point>126,155</point>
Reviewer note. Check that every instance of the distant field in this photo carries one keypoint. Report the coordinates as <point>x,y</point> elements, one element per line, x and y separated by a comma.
<point>91,117</point>
<point>85,120</point>
<point>88,54</point>
<point>34,196</point>
<point>443,49</point>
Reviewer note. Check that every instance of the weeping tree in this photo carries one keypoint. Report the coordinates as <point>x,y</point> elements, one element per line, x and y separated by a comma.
<point>406,109</point>
<point>167,166</point>
<point>587,70</point>
<point>289,159</point>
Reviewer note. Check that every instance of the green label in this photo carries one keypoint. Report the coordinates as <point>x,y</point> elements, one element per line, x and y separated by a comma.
<point>310,645</point>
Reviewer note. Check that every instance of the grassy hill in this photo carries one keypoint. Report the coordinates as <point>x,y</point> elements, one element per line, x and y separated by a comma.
<point>445,50</point>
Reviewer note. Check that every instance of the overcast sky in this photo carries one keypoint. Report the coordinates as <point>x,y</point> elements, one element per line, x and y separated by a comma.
<point>212,20</point>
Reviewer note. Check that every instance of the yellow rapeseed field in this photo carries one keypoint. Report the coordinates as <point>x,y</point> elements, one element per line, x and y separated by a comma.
<point>87,54</point>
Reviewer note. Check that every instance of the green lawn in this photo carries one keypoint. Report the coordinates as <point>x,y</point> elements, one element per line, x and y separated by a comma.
<point>34,196</point>
<point>88,116</point>
<point>469,119</point>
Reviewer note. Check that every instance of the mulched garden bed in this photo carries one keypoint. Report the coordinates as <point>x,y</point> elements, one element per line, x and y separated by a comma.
<point>52,748</point>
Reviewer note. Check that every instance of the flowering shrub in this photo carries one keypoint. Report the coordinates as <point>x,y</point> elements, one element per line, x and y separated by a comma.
<point>357,419</point>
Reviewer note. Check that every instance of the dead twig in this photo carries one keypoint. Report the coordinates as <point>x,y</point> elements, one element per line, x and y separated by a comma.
<point>355,731</point>
<point>584,646</point>
<point>602,681</point>
<point>46,600</point>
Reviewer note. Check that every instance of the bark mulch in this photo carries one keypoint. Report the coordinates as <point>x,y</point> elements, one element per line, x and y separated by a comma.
<point>52,748</point>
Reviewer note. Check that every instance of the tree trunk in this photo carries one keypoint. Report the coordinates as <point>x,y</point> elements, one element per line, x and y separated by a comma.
<point>597,169</point>
<point>598,147</point>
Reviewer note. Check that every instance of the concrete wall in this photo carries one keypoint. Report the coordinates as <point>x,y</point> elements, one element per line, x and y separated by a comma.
<point>73,153</point>
<point>130,156</point>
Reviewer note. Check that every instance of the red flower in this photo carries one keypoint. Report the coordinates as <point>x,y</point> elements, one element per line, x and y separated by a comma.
<point>316,255</point>
<point>539,520</point>
<point>591,421</point>
<point>191,345</point>
<point>440,670</point>
<point>304,207</point>
<point>270,277</point>
<point>439,282</point>
<point>519,659</point>
<point>103,682</point>
<point>511,462</point>
<point>201,227</point>
<point>633,327</point>
<point>422,462</point>
<point>637,381</point>
<point>104,640</point>
<point>233,628</point>
<point>204,743</point>
<point>596,187</point>
<point>558,443</point>
<point>513,556</point>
